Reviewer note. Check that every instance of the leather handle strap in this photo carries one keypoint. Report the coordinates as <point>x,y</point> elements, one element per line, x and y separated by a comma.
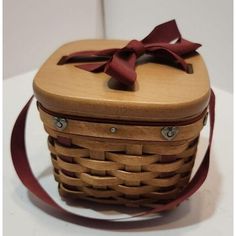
<point>22,167</point>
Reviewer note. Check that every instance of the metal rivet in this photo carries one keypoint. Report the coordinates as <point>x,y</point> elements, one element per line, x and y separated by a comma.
<point>60,123</point>
<point>169,133</point>
<point>205,119</point>
<point>113,130</point>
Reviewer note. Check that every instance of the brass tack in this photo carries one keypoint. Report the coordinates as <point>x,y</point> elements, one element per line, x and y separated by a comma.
<point>113,130</point>
<point>60,123</point>
<point>169,133</point>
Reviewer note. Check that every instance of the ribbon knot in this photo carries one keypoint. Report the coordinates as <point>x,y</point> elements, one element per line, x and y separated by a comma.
<point>136,47</point>
<point>165,41</point>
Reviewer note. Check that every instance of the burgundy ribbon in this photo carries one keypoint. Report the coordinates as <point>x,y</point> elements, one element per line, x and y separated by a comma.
<point>22,167</point>
<point>119,63</point>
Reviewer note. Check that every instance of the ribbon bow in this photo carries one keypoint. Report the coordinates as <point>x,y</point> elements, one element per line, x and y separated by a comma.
<point>119,63</point>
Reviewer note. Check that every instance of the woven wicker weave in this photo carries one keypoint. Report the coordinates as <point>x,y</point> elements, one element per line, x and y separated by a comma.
<point>121,171</point>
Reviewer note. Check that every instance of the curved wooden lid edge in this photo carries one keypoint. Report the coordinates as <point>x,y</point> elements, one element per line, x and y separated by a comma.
<point>99,101</point>
<point>122,110</point>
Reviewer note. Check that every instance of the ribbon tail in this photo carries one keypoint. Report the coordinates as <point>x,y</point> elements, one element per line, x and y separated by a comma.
<point>93,67</point>
<point>88,56</point>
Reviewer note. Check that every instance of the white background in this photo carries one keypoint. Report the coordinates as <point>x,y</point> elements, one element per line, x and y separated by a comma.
<point>33,29</point>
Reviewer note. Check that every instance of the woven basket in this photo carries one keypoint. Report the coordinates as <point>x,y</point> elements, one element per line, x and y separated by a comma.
<point>140,156</point>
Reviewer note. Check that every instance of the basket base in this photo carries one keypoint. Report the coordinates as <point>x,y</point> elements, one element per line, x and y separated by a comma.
<point>69,196</point>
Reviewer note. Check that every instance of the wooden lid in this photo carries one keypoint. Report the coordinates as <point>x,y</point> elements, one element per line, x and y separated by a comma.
<point>161,92</point>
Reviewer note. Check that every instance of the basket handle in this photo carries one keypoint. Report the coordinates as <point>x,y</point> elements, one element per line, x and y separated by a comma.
<point>22,167</point>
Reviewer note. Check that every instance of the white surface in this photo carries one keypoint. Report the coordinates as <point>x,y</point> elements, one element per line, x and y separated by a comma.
<point>34,29</point>
<point>208,22</point>
<point>209,212</point>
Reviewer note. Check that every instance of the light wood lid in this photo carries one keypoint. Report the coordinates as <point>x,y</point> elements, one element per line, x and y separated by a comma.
<point>161,92</point>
